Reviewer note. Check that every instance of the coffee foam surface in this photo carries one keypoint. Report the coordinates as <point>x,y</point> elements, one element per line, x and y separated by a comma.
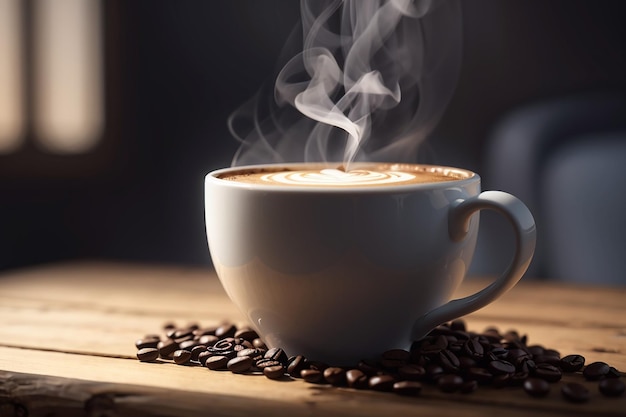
<point>335,178</point>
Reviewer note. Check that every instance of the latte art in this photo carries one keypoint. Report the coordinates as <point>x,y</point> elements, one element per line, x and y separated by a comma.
<point>335,177</point>
<point>370,175</point>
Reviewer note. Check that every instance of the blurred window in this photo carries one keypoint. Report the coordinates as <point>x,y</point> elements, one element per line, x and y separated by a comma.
<point>51,75</point>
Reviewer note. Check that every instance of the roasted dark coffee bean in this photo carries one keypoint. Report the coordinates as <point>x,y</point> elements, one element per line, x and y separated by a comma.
<point>254,354</point>
<point>167,348</point>
<point>492,335</point>
<point>216,362</point>
<point>449,382</point>
<point>613,373</point>
<point>277,354</point>
<point>548,372</point>
<point>596,370</point>
<point>182,356</point>
<point>526,365</point>
<point>311,375</point>
<point>501,381</point>
<point>480,375</point>
<point>575,392</point>
<point>511,336</point>
<point>188,344</point>
<point>572,363</point>
<point>466,362</point>
<point>515,355</point>
<point>381,382</point>
<point>369,367</point>
<point>536,350</point>
<point>407,388</point>
<point>356,379</point>
<point>458,325</point>
<point>205,331</point>
<point>469,386</point>
<point>240,364</point>
<point>225,330</point>
<point>208,339</point>
<point>498,353</point>
<point>448,360</point>
<point>223,345</point>
<point>498,367</point>
<point>196,351</point>
<point>612,387</point>
<point>246,333</point>
<point>148,354</point>
<point>396,354</point>
<point>518,378</point>
<point>259,344</point>
<point>473,349</point>
<point>147,342</point>
<point>296,364</point>
<point>320,366</point>
<point>183,333</point>
<point>536,387</point>
<point>433,371</point>
<point>203,356</point>
<point>335,376</point>
<point>547,359</point>
<point>412,372</point>
<point>433,345</point>
<point>266,362</point>
<point>274,372</point>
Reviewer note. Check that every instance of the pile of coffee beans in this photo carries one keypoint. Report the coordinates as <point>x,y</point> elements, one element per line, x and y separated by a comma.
<point>451,358</point>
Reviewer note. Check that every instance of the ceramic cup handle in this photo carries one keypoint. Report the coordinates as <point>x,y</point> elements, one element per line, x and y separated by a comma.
<point>458,221</point>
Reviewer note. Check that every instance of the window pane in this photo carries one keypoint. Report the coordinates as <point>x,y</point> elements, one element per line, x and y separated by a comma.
<point>68,75</point>
<point>11,83</point>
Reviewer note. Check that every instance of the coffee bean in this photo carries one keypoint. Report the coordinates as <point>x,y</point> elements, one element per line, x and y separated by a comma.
<point>240,364</point>
<point>432,345</point>
<point>216,362</point>
<point>225,330</point>
<point>167,348</point>
<point>596,370</point>
<point>407,388</point>
<point>458,325</point>
<point>548,372</point>
<point>311,375</point>
<point>203,356</point>
<point>151,342</point>
<point>575,392</point>
<point>246,333</point>
<point>612,387</point>
<point>296,364</point>
<point>572,363</point>
<point>449,382</point>
<point>536,387</point>
<point>381,382</point>
<point>196,351</point>
<point>259,344</point>
<point>433,371</point>
<point>469,386</point>
<point>369,367</point>
<point>356,379</point>
<point>335,376</point>
<point>266,362</point>
<point>274,372</point>
<point>182,356</point>
<point>188,344</point>
<point>208,339</point>
<point>394,358</point>
<point>148,354</point>
<point>498,367</point>
<point>253,353</point>
<point>412,372</point>
<point>448,360</point>
<point>183,333</point>
<point>473,349</point>
<point>277,354</point>
<point>480,375</point>
<point>205,331</point>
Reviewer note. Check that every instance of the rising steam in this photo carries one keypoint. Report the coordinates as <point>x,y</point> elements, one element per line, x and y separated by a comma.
<point>369,82</point>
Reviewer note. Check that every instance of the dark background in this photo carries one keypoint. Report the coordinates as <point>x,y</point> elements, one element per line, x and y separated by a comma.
<point>175,70</point>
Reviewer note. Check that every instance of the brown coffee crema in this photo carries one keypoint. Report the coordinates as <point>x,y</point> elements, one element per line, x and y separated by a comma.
<point>360,176</point>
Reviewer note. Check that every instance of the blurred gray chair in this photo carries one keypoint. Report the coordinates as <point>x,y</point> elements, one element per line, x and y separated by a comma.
<point>566,159</point>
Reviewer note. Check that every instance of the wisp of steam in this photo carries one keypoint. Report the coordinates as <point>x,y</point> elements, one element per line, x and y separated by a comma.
<point>369,81</point>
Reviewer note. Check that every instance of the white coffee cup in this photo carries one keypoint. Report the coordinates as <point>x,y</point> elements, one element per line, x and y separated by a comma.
<point>339,274</point>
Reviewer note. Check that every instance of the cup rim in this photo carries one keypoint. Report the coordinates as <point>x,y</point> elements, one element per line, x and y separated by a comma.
<point>465,176</point>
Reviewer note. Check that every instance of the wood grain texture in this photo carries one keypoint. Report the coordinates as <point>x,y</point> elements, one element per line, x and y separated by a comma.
<point>67,348</point>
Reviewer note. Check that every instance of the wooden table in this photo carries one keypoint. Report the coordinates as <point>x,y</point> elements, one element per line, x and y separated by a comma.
<point>67,349</point>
